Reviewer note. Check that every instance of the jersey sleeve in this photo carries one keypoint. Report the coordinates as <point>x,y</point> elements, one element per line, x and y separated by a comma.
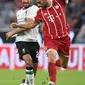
<point>33,12</point>
<point>60,1</point>
<point>39,16</point>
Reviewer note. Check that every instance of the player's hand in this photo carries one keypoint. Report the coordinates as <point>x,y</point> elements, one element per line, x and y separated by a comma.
<point>8,35</point>
<point>13,25</point>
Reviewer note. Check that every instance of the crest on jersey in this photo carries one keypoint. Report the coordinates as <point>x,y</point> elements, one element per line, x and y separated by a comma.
<point>56,6</point>
<point>45,14</point>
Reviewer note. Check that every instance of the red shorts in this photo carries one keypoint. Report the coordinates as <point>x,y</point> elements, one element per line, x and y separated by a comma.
<point>61,45</point>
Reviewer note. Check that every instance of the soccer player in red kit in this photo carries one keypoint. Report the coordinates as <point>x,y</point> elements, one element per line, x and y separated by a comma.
<point>55,33</point>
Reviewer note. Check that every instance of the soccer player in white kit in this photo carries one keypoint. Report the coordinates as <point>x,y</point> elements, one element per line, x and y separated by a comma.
<point>26,40</point>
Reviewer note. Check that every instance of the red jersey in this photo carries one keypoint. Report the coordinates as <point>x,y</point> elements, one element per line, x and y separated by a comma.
<point>55,20</point>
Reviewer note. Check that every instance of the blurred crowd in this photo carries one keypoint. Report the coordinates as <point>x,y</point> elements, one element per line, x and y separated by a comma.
<point>76,20</point>
<point>75,17</point>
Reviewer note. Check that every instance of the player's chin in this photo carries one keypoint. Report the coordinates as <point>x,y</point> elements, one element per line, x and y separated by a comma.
<point>44,6</point>
<point>26,5</point>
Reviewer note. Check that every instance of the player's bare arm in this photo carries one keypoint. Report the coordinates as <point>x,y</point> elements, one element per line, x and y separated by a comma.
<point>30,24</point>
<point>27,26</point>
<point>15,31</point>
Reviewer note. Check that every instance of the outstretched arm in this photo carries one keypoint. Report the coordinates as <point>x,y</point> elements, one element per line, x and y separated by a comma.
<point>13,32</point>
<point>30,24</point>
<point>21,27</point>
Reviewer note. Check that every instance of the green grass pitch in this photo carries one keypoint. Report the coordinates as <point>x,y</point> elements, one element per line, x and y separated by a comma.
<point>14,77</point>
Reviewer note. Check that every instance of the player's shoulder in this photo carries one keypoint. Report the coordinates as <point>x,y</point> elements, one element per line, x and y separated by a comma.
<point>34,7</point>
<point>19,11</point>
<point>40,11</point>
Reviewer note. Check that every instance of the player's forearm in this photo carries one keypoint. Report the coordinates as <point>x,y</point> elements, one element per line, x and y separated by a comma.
<point>15,31</point>
<point>18,30</point>
<point>30,25</point>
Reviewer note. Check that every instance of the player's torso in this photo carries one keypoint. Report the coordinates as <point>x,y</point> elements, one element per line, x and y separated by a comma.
<point>55,20</point>
<point>22,15</point>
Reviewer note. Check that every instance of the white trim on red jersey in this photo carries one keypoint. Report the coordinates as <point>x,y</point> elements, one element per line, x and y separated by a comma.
<point>59,20</point>
<point>62,12</point>
<point>46,23</point>
<point>53,23</point>
<point>63,15</point>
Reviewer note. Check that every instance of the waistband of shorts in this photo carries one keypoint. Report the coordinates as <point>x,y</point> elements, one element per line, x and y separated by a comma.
<point>30,40</point>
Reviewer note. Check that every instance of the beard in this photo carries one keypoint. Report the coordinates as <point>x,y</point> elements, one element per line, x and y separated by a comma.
<point>26,6</point>
<point>48,4</point>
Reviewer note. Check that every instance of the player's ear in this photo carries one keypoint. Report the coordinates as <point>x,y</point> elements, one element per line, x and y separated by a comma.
<point>29,20</point>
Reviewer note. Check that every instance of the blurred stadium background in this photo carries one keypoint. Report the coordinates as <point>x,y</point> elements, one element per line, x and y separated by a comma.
<point>12,69</point>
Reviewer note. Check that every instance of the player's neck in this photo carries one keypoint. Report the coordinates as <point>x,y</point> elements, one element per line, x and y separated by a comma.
<point>27,7</point>
<point>49,5</point>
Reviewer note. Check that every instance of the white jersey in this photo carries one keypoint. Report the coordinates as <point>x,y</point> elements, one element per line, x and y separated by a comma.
<point>22,15</point>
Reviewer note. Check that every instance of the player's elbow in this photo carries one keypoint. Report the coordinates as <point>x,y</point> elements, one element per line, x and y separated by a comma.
<point>30,25</point>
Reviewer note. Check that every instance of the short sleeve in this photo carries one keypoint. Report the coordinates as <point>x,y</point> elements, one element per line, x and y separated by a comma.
<point>33,12</point>
<point>60,1</point>
<point>39,16</point>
